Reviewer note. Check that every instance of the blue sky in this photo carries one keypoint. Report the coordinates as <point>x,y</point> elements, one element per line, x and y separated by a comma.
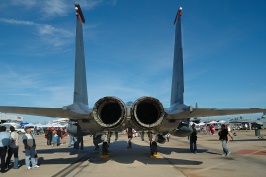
<point>129,51</point>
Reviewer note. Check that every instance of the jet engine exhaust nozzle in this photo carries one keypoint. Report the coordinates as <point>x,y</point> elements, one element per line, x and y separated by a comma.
<point>147,112</point>
<point>109,112</point>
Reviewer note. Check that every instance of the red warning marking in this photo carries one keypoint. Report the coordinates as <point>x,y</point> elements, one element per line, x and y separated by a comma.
<point>252,152</point>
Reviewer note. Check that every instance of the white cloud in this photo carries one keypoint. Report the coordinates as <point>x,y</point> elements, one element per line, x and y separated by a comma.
<point>90,4</point>
<point>54,8</point>
<point>25,3</point>
<point>52,35</point>
<point>16,22</point>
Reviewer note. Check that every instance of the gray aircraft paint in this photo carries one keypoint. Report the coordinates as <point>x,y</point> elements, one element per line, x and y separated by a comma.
<point>168,118</point>
<point>80,85</point>
<point>178,73</point>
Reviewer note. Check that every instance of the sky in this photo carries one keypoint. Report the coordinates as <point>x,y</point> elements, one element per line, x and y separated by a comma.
<point>129,52</point>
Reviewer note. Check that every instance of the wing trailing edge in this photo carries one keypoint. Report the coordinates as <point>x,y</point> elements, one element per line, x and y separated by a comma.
<point>46,112</point>
<point>208,112</point>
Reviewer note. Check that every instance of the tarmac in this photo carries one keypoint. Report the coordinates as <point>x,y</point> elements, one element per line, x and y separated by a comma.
<point>247,158</point>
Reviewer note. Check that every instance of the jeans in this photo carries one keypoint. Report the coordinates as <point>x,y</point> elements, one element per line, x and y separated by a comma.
<point>224,145</point>
<point>3,156</point>
<point>49,139</point>
<point>11,151</point>
<point>30,154</point>
<point>193,146</point>
<point>72,139</point>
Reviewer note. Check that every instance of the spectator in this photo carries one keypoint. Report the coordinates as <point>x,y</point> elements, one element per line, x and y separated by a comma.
<point>5,141</point>
<point>223,136</point>
<point>193,140</point>
<point>30,149</point>
<point>13,148</point>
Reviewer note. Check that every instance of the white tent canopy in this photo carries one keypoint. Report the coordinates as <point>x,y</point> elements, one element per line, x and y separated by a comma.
<point>30,125</point>
<point>44,125</point>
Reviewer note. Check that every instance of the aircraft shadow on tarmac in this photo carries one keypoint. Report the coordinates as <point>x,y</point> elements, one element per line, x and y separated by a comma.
<point>121,154</point>
<point>118,153</point>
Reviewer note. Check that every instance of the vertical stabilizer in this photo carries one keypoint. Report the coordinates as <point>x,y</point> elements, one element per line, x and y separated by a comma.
<point>178,73</point>
<point>80,88</point>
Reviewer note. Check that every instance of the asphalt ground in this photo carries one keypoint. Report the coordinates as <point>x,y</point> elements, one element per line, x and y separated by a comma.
<point>248,158</point>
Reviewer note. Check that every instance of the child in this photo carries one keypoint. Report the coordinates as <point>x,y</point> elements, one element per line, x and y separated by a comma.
<point>55,139</point>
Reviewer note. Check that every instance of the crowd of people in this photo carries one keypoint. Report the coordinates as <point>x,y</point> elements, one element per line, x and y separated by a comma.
<point>9,142</point>
<point>55,136</point>
<point>9,146</point>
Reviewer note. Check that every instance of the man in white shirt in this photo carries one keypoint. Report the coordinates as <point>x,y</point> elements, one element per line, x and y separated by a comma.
<point>13,148</point>
<point>30,146</point>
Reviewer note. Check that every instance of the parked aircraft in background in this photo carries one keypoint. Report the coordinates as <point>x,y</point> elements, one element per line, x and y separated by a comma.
<point>112,114</point>
<point>249,123</point>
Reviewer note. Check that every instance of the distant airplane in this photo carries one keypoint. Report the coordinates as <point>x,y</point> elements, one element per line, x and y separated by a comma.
<point>112,114</point>
<point>254,123</point>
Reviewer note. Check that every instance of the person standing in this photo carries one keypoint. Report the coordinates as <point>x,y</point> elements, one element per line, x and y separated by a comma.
<point>223,136</point>
<point>116,135</point>
<point>97,139</point>
<point>228,127</point>
<point>58,132</point>
<point>13,148</point>
<point>80,145</point>
<point>79,141</point>
<point>5,141</point>
<point>212,129</point>
<point>30,149</point>
<point>48,135</point>
<point>193,140</point>
<point>72,140</point>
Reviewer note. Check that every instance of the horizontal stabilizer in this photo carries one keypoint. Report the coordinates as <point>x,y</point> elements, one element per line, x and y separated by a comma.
<point>46,112</point>
<point>206,112</point>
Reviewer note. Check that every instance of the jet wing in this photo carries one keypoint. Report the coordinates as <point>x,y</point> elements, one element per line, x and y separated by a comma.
<point>206,112</point>
<point>46,112</point>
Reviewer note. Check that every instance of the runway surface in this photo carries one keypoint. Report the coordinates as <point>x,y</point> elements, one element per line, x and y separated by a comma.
<point>248,158</point>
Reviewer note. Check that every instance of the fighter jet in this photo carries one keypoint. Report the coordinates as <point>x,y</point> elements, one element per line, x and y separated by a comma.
<point>112,114</point>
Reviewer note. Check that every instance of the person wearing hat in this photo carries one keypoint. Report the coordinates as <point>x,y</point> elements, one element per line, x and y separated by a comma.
<point>30,149</point>
<point>13,148</point>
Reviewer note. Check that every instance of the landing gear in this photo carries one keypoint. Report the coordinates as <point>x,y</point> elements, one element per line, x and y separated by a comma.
<point>105,147</point>
<point>153,147</point>
<point>130,136</point>
<point>129,144</point>
<point>142,136</point>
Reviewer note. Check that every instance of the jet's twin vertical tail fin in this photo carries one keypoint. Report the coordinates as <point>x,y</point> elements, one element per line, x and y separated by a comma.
<point>80,87</point>
<point>178,73</point>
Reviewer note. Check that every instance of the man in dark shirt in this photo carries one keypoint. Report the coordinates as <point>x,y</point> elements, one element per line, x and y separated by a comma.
<point>193,140</point>
<point>223,136</point>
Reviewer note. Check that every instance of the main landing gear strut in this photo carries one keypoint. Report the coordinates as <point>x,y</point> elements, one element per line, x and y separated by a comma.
<point>153,147</point>
<point>105,147</point>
